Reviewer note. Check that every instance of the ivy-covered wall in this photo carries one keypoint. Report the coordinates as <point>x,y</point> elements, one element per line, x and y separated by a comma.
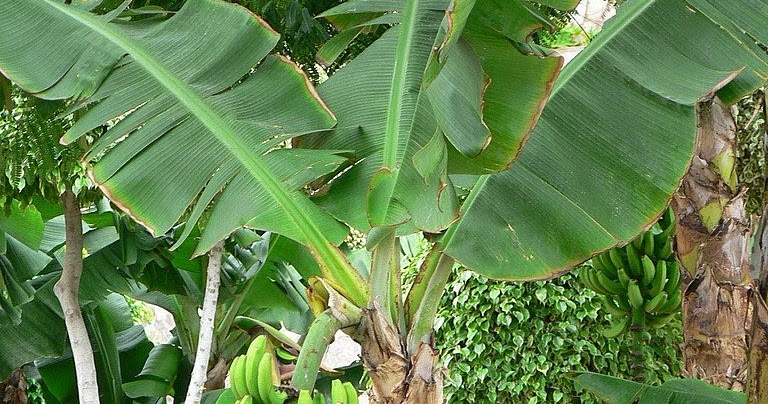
<point>505,342</point>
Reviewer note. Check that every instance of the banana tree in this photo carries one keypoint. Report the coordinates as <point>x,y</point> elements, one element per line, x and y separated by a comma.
<point>422,132</point>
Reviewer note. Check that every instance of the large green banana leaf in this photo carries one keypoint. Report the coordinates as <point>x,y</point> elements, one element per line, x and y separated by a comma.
<point>446,86</point>
<point>198,126</point>
<point>615,137</point>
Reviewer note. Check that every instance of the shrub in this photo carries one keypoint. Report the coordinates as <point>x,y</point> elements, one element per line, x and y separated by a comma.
<point>508,342</point>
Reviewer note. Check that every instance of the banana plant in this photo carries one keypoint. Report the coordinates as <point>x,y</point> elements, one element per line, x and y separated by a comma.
<point>422,132</point>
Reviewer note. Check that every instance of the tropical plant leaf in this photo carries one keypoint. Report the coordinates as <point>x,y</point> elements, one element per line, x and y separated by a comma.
<point>613,141</point>
<point>613,390</point>
<point>40,318</point>
<point>198,127</point>
<point>439,89</point>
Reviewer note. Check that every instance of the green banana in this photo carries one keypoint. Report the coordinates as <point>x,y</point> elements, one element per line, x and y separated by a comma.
<point>285,355</point>
<point>633,259</point>
<point>237,377</point>
<point>648,244</point>
<point>595,284</point>
<point>586,280</point>
<point>616,258</point>
<point>617,328</point>
<point>338,393</point>
<point>252,357</point>
<point>649,271</point>
<point>623,278</point>
<point>665,249</point>
<point>277,397</point>
<point>305,397</point>
<point>612,308</point>
<point>247,400</point>
<point>672,305</point>
<point>612,287</point>
<point>351,393</point>
<point>264,382</point>
<point>609,272</point>
<point>623,303</point>
<point>659,279</point>
<point>635,296</point>
<point>638,242</point>
<point>607,263</point>
<point>657,321</point>
<point>673,284</point>
<point>318,399</point>
<point>656,302</point>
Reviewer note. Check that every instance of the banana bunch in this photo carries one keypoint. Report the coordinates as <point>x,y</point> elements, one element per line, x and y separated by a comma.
<point>254,377</point>
<point>640,282</point>
<point>341,393</point>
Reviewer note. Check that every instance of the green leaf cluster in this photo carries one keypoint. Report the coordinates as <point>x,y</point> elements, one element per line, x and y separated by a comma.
<point>513,342</point>
<point>32,162</point>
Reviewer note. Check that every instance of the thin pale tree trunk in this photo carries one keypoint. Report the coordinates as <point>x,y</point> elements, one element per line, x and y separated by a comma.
<point>712,239</point>
<point>203,355</point>
<point>66,290</point>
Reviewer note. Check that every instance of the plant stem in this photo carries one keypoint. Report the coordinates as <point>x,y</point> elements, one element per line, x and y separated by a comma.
<point>424,297</point>
<point>200,368</point>
<point>66,290</point>
<point>315,344</point>
<point>382,267</point>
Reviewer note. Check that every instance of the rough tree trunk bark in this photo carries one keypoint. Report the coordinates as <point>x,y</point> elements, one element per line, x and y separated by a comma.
<point>200,368</point>
<point>398,378</point>
<point>14,389</point>
<point>712,239</point>
<point>66,290</point>
<point>757,381</point>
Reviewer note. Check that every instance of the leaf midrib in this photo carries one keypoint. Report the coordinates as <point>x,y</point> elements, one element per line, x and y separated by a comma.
<point>397,90</point>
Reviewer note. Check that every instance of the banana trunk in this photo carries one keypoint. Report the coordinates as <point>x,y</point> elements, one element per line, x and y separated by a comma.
<point>712,243</point>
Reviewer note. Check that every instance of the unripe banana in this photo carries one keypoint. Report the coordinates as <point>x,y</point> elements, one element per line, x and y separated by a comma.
<point>656,302</point>
<point>237,377</point>
<point>607,263</point>
<point>623,303</point>
<point>659,320</point>
<point>252,357</point>
<point>638,242</point>
<point>612,287</point>
<point>659,279</point>
<point>246,400</point>
<point>338,394</point>
<point>665,250</point>
<point>617,328</point>
<point>305,397</point>
<point>648,244</point>
<point>633,259</point>
<point>595,283</point>
<point>277,397</point>
<point>623,278</point>
<point>264,384</point>
<point>672,305</point>
<point>318,399</point>
<point>673,284</point>
<point>586,280</point>
<point>612,308</point>
<point>616,258</point>
<point>649,271</point>
<point>634,295</point>
<point>351,393</point>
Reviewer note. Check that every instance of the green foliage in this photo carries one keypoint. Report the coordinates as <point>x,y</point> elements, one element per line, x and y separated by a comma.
<point>32,162</point>
<point>514,342</point>
<point>569,35</point>
<point>750,151</point>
